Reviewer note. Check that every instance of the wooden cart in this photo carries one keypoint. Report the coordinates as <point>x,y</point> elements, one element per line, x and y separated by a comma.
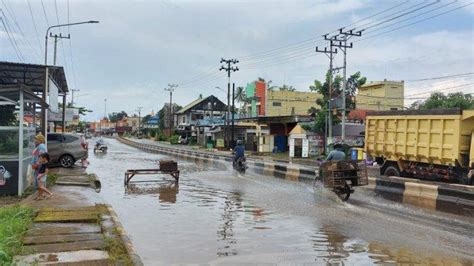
<point>165,167</point>
<point>342,176</point>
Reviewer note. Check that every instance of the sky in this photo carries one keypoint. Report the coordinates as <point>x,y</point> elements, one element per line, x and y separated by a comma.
<point>139,47</point>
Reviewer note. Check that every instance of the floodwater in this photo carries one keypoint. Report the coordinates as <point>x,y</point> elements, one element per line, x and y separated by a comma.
<point>217,216</point>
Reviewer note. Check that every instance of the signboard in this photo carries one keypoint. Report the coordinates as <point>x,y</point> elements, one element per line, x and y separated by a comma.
<point>58,116</point>
<point>9,177</point>
<point>53,96</point>
<point>292,148</point>
<point>220,143</point>
<point>154,120</point>
<point>305,148</point>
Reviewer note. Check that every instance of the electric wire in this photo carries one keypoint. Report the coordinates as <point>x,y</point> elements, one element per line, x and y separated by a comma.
<point>15,48</point>
<point>34,23</point>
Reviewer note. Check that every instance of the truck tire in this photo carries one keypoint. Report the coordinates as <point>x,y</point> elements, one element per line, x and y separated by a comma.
<point>392,171</point>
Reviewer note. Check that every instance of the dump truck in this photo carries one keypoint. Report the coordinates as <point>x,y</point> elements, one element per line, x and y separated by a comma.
<point>433,144</point>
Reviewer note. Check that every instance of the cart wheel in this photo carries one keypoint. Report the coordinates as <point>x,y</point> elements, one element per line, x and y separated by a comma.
<point>344,193</point>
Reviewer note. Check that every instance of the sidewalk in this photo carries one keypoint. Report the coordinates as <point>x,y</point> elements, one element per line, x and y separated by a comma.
<point>74,227</point>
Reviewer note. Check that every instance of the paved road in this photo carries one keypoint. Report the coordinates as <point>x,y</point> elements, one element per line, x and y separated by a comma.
<point>215,215</point>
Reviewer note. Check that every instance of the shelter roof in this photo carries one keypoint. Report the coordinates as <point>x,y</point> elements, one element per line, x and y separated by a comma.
<point>11,93</point>
<point>32,75</point>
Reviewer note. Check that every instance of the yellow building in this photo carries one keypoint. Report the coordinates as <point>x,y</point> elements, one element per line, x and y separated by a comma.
<point>381,95</point>
<point>284,103</point>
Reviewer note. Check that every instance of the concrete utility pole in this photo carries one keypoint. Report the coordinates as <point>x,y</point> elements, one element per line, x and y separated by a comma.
<point>330,53</point>
<point>56,37</point>
<point>72,96</point>
<point>339,40</point>
<point>342,44</point>
<point>228,69</point>
<point>139,110</point>
<point>170,118</point>
<point>105,108</point>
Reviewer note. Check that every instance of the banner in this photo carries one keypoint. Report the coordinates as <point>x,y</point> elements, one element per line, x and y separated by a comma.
<point>58,116</point>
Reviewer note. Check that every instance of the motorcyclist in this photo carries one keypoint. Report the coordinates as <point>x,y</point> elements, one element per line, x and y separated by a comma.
<point>239,151</point>
<point>337,154</point>
<point>99,143</point>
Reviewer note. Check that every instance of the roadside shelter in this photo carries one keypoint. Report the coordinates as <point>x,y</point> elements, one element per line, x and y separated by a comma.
<point>16,137</point>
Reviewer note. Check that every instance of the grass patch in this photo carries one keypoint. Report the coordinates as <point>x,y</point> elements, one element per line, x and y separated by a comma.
<point>14,222</point>
<point>117,251</point>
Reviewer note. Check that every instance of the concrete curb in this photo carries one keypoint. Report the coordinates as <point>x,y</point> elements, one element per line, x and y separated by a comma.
<point>124,237</point>
<point>451,198</point>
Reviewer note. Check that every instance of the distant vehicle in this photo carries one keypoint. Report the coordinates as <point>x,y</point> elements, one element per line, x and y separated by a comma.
<point>433,144</point>
<point>100,146</point>
<point>88,135</point>
<point>66,149</point>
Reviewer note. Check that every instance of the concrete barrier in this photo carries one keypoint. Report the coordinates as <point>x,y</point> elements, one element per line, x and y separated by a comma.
<point>451,198</point>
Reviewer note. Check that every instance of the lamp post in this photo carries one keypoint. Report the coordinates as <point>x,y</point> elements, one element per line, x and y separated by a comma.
<point>45,89</point>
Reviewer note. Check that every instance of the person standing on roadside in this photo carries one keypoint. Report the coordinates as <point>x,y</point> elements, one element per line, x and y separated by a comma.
<point>40,148</point>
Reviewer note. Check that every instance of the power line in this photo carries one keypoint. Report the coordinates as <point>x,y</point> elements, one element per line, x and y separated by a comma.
<point>442,89</point>
<point>34,23</point>
<point>12,41</point>
<point>416,22</point>
<point>44,12</point>
<point>23,39</point>
<point>440,77</point>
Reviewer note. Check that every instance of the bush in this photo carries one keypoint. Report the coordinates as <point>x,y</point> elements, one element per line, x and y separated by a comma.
<point>14,222</point>
<point>174,139</point>
<point>161,137</point>
<point>153,133</point>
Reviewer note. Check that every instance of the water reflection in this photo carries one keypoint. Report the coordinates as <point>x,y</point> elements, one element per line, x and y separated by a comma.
<point>225,233</point>
<point>167,191</point>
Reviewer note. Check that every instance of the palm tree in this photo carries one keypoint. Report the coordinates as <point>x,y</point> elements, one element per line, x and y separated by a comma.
<point>240,96</point>
<point>287,88</point>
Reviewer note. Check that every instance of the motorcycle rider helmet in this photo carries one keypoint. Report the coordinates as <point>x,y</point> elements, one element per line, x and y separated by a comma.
<point>239,142</point>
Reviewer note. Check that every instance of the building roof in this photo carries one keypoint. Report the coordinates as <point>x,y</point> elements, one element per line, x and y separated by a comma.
<point>383,82</point>
<point>198,103</point>
<point>190,105</point>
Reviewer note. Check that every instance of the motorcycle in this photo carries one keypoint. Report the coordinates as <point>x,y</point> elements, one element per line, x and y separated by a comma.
<point>240,164</point>
<point>100,147</point>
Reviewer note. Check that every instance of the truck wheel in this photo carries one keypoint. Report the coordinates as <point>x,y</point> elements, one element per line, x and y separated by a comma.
<point>392,171</point>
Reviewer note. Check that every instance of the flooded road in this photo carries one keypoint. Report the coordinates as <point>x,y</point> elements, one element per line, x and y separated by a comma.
<point>217,216</point>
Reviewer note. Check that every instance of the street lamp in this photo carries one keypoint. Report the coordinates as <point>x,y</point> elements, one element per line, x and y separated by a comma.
<point>58,26</point>
<point>45,89</point>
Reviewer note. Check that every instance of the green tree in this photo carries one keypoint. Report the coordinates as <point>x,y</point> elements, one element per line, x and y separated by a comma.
<point>353,84</point>
<point>440,100</point>
<point>114,117</point>
<point>163,114</point>
<point>7,115</point>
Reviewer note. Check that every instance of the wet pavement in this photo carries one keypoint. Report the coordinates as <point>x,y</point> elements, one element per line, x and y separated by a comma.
<point>215,215</point>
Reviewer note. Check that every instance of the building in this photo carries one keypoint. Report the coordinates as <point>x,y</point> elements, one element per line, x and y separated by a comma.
<point>284,103</point>
<point>381,95</point>
<point>202,108</point>
<point>266,102</point>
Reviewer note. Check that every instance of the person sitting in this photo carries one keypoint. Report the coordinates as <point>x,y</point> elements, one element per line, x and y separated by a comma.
<point>99,143</point>
<point>337,154</point>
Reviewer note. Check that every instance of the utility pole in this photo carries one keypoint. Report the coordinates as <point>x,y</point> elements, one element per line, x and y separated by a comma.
<point>105,108</point>
<point>56,37</point>
<point>72,96</point>
<point>228,69</point>
<point>170,118</point>
<point>342,44</point>
<point>139,110</point>
<point>233,112</point>
<point>330,53</point>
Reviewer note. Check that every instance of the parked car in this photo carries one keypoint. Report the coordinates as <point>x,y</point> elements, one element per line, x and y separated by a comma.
<point>66,149</point>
